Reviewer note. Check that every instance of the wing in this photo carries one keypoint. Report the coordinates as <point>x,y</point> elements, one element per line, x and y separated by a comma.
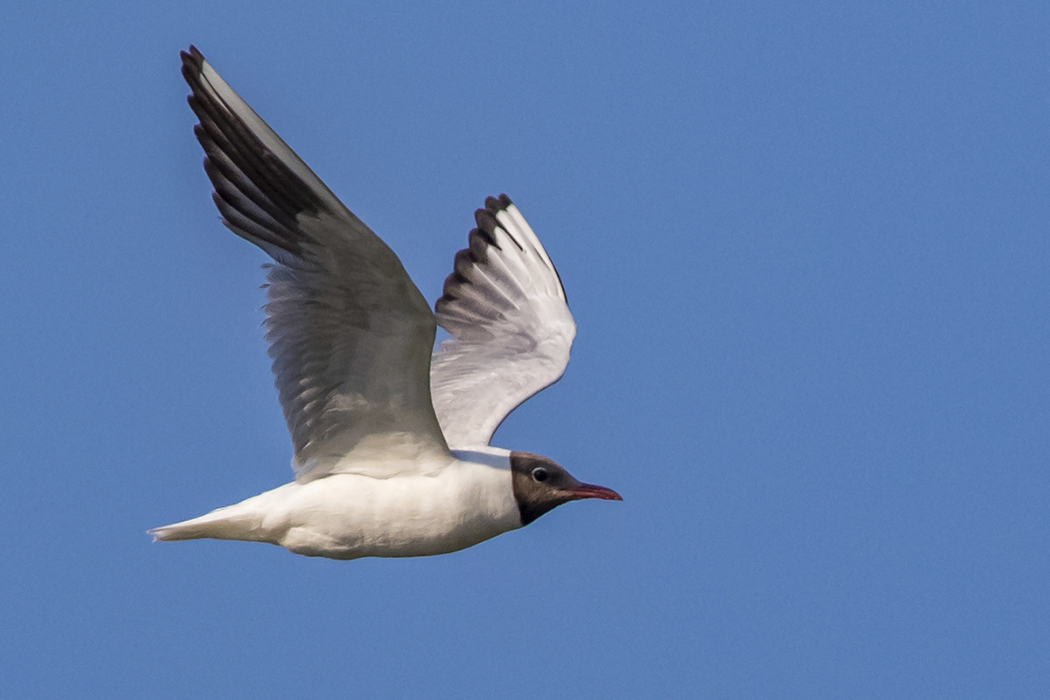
<point>350,335</point>
<point>511,329</point>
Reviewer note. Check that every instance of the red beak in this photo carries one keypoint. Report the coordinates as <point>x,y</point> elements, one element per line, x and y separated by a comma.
<point>592,491</point>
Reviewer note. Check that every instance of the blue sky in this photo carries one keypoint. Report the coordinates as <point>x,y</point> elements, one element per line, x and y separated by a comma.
<point>806,248</point>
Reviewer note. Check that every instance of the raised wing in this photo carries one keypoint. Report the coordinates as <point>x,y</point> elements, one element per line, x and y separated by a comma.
<point>511,329</point>
<point>350,335</point>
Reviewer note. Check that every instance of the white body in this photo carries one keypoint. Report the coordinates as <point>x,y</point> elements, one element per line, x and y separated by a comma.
<point>346,516</point>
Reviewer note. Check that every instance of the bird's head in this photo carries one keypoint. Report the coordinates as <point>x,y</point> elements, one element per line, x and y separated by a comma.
<point>540,485</point>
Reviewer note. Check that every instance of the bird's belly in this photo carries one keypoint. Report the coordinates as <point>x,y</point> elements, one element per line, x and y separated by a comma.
<point>346,516</point>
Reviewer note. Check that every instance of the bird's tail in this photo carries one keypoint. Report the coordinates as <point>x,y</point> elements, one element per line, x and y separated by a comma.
<point>186,530</point>
<point>229,523</point>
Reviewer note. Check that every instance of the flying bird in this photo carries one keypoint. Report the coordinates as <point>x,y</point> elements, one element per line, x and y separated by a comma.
<point>391,438</point>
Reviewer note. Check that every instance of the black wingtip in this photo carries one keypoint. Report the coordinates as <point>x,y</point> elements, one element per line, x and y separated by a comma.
<point>486,219</point>
<point>193,60</point>
<point>497,204</point>
<point>192,67</point>
<point>479,240</point>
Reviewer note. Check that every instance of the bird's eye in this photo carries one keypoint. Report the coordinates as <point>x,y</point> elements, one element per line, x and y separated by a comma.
<point>539,474</point>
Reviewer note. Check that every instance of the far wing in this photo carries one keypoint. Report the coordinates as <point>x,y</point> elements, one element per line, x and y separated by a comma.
<point>349,333</point>
<point>511,329</point>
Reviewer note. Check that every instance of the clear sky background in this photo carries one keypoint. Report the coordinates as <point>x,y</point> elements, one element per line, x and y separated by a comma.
<point>806,248</point>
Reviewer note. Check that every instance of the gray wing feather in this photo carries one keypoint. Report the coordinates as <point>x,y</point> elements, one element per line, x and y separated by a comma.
<point>350,335</point>
<point>505,308</point>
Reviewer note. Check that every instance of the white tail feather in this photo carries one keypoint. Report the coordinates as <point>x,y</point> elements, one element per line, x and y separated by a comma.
<point>229,523</point>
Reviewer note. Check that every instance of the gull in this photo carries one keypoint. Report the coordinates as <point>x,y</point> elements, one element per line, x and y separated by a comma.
<point>391,438</point>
